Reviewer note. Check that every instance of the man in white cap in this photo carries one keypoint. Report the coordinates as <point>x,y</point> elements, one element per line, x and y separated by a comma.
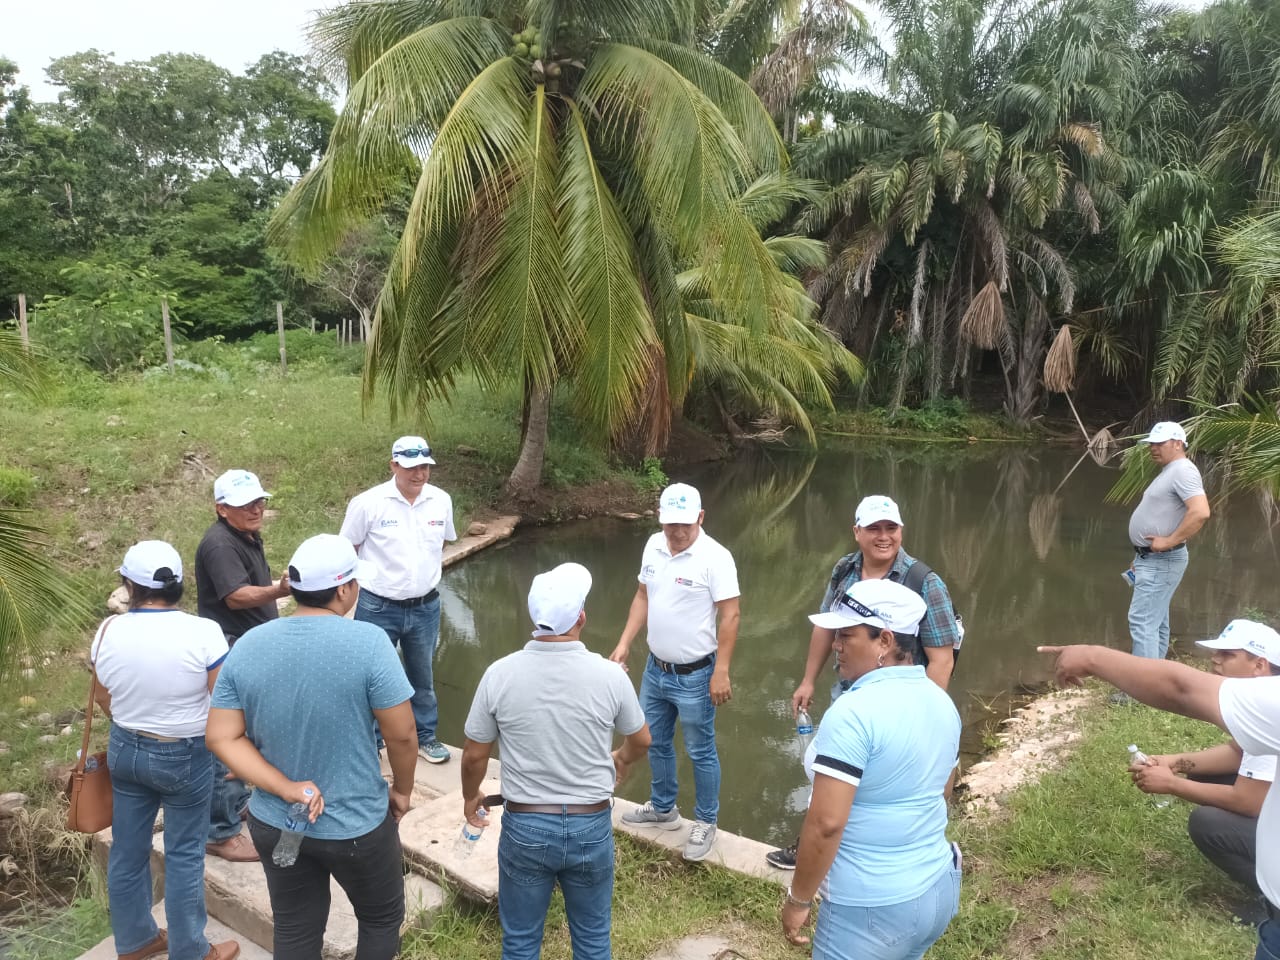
<point>1227,785</point>
<point>400,527</point>
<point>293,711</point>
<point>1172,510</point>
<point>1247,708</point>
<point>687,598</point>
<point>553,707</point>
<point>877,530</point>
<point>235,590</point>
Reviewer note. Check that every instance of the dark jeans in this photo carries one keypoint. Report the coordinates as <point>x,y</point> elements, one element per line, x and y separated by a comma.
<point>1268,940</point>
<point>1229,841</point>
<point>229,798</point>
<point>369,869</point>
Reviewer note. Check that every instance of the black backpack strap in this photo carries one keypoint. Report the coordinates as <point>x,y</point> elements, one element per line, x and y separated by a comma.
<point>843,567</point>
<point>915,576</point>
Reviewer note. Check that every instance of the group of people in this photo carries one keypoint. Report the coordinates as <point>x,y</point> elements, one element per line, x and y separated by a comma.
<point>301,706</point>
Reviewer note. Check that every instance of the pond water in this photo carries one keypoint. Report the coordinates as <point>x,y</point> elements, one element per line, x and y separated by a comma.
<point>1028,558</point>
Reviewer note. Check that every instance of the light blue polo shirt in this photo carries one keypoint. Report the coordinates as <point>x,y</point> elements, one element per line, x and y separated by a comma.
<point>895,735</point>
<point>308,687</point>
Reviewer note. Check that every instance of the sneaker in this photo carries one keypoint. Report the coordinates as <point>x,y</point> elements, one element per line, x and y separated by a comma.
<point>1121,699</point>
<point>159,944</point>
<point>648,816</point>
<point>701,837</point>
<point>434,752</point>
<point>784,859</point>
<point>237,849</point>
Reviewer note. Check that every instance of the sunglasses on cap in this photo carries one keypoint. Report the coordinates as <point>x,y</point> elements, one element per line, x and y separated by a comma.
<point>414,452</point>
<point>849,604</point>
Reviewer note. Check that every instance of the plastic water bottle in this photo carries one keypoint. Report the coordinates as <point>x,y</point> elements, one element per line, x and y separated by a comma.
<point>1137,756</point>
<point>286,850</point>
<point>804,730</point>
<point>470,836</point>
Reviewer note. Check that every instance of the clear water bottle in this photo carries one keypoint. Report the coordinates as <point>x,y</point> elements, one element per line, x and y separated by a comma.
<point>804,730</point>
<point>286,850</point>
<point>470,836</point>
<point>1136,756</point>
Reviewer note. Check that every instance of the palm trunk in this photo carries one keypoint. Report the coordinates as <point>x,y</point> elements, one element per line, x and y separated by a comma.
<point>526,477</point>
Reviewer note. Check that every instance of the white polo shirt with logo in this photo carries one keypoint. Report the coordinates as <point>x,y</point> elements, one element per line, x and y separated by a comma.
<point>403,540</point>
<point>1251,713</point>
<point>683,592</point>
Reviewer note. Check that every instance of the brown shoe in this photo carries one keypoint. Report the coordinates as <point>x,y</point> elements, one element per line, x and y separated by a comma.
<point>226,950</point>
<point>159,944</point>
<point>238,849</point>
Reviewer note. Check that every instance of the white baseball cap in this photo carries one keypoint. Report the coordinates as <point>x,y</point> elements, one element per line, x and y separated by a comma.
<point>1249,636</point>
<point>557,597</point>
<point>679,503</point>
<point>326,561</point>
<point>877,603</point>
<point>235,488</point>
<point>411,452</point>
<point>152,563</point>
<point>1165,430</point>
<point>874,509</point>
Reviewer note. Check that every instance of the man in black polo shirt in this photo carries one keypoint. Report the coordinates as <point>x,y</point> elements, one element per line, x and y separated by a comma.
<point>235,590</point>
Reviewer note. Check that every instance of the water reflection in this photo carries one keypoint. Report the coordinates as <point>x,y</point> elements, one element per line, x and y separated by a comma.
<point>1026,562</point>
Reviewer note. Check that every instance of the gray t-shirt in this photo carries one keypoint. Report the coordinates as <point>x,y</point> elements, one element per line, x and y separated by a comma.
<point>1164,503</point>
<point>553,708</point>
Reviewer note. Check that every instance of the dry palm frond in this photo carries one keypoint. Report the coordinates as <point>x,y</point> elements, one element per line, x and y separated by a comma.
<point>1043,521</point>
<point>983,322</point>
<point>1060,362</point>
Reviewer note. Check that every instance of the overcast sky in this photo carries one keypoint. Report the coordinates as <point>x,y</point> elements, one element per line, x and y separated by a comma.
<point>233,33</point>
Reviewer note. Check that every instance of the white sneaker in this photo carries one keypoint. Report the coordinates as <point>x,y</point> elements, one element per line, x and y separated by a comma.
<point>647,816</point>
<point>701,837</point>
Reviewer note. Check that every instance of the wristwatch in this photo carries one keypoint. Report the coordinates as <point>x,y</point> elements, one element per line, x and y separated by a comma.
<point>797,902</point>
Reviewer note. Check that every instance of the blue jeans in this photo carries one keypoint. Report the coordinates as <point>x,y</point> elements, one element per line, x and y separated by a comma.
<point>1156,577</point>
<point>664,698</point>
<point>417,630</point>
<point>538,850</point>
<point>899,931</point>
<point>146,775</point>
<point>229,798</point>
<point>1268,941</point>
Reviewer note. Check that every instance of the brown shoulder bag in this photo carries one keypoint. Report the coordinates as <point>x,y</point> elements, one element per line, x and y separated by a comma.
<point>89,786</point>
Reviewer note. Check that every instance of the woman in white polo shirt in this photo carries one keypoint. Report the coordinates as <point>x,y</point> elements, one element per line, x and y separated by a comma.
<point>874,839</point>
<point>155,667</point>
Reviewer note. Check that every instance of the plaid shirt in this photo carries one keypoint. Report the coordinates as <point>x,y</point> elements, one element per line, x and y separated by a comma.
<point>937,629</point>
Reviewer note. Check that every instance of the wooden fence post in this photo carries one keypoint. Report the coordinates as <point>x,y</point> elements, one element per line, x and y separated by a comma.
<point>313,326</point>
<point>168,332</point>
<point>284,366</point>
<point>22,321</point>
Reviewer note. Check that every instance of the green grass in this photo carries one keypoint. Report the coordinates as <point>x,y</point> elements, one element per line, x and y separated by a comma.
<point>947,420</point>
<point>59,935</point>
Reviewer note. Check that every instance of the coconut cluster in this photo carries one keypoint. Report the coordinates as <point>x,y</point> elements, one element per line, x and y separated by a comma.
<point>527,44</point>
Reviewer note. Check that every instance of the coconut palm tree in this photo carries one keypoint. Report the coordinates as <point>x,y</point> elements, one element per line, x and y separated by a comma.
<point>572,159</point>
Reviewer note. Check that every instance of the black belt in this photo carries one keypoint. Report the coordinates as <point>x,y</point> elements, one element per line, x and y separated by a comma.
<point>557,808</point>
<point>683,668</point>
<point>1147,551</point>
<point>412,601</point>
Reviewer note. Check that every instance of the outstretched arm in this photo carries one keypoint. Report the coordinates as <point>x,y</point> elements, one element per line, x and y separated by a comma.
<point>1158,683</point>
